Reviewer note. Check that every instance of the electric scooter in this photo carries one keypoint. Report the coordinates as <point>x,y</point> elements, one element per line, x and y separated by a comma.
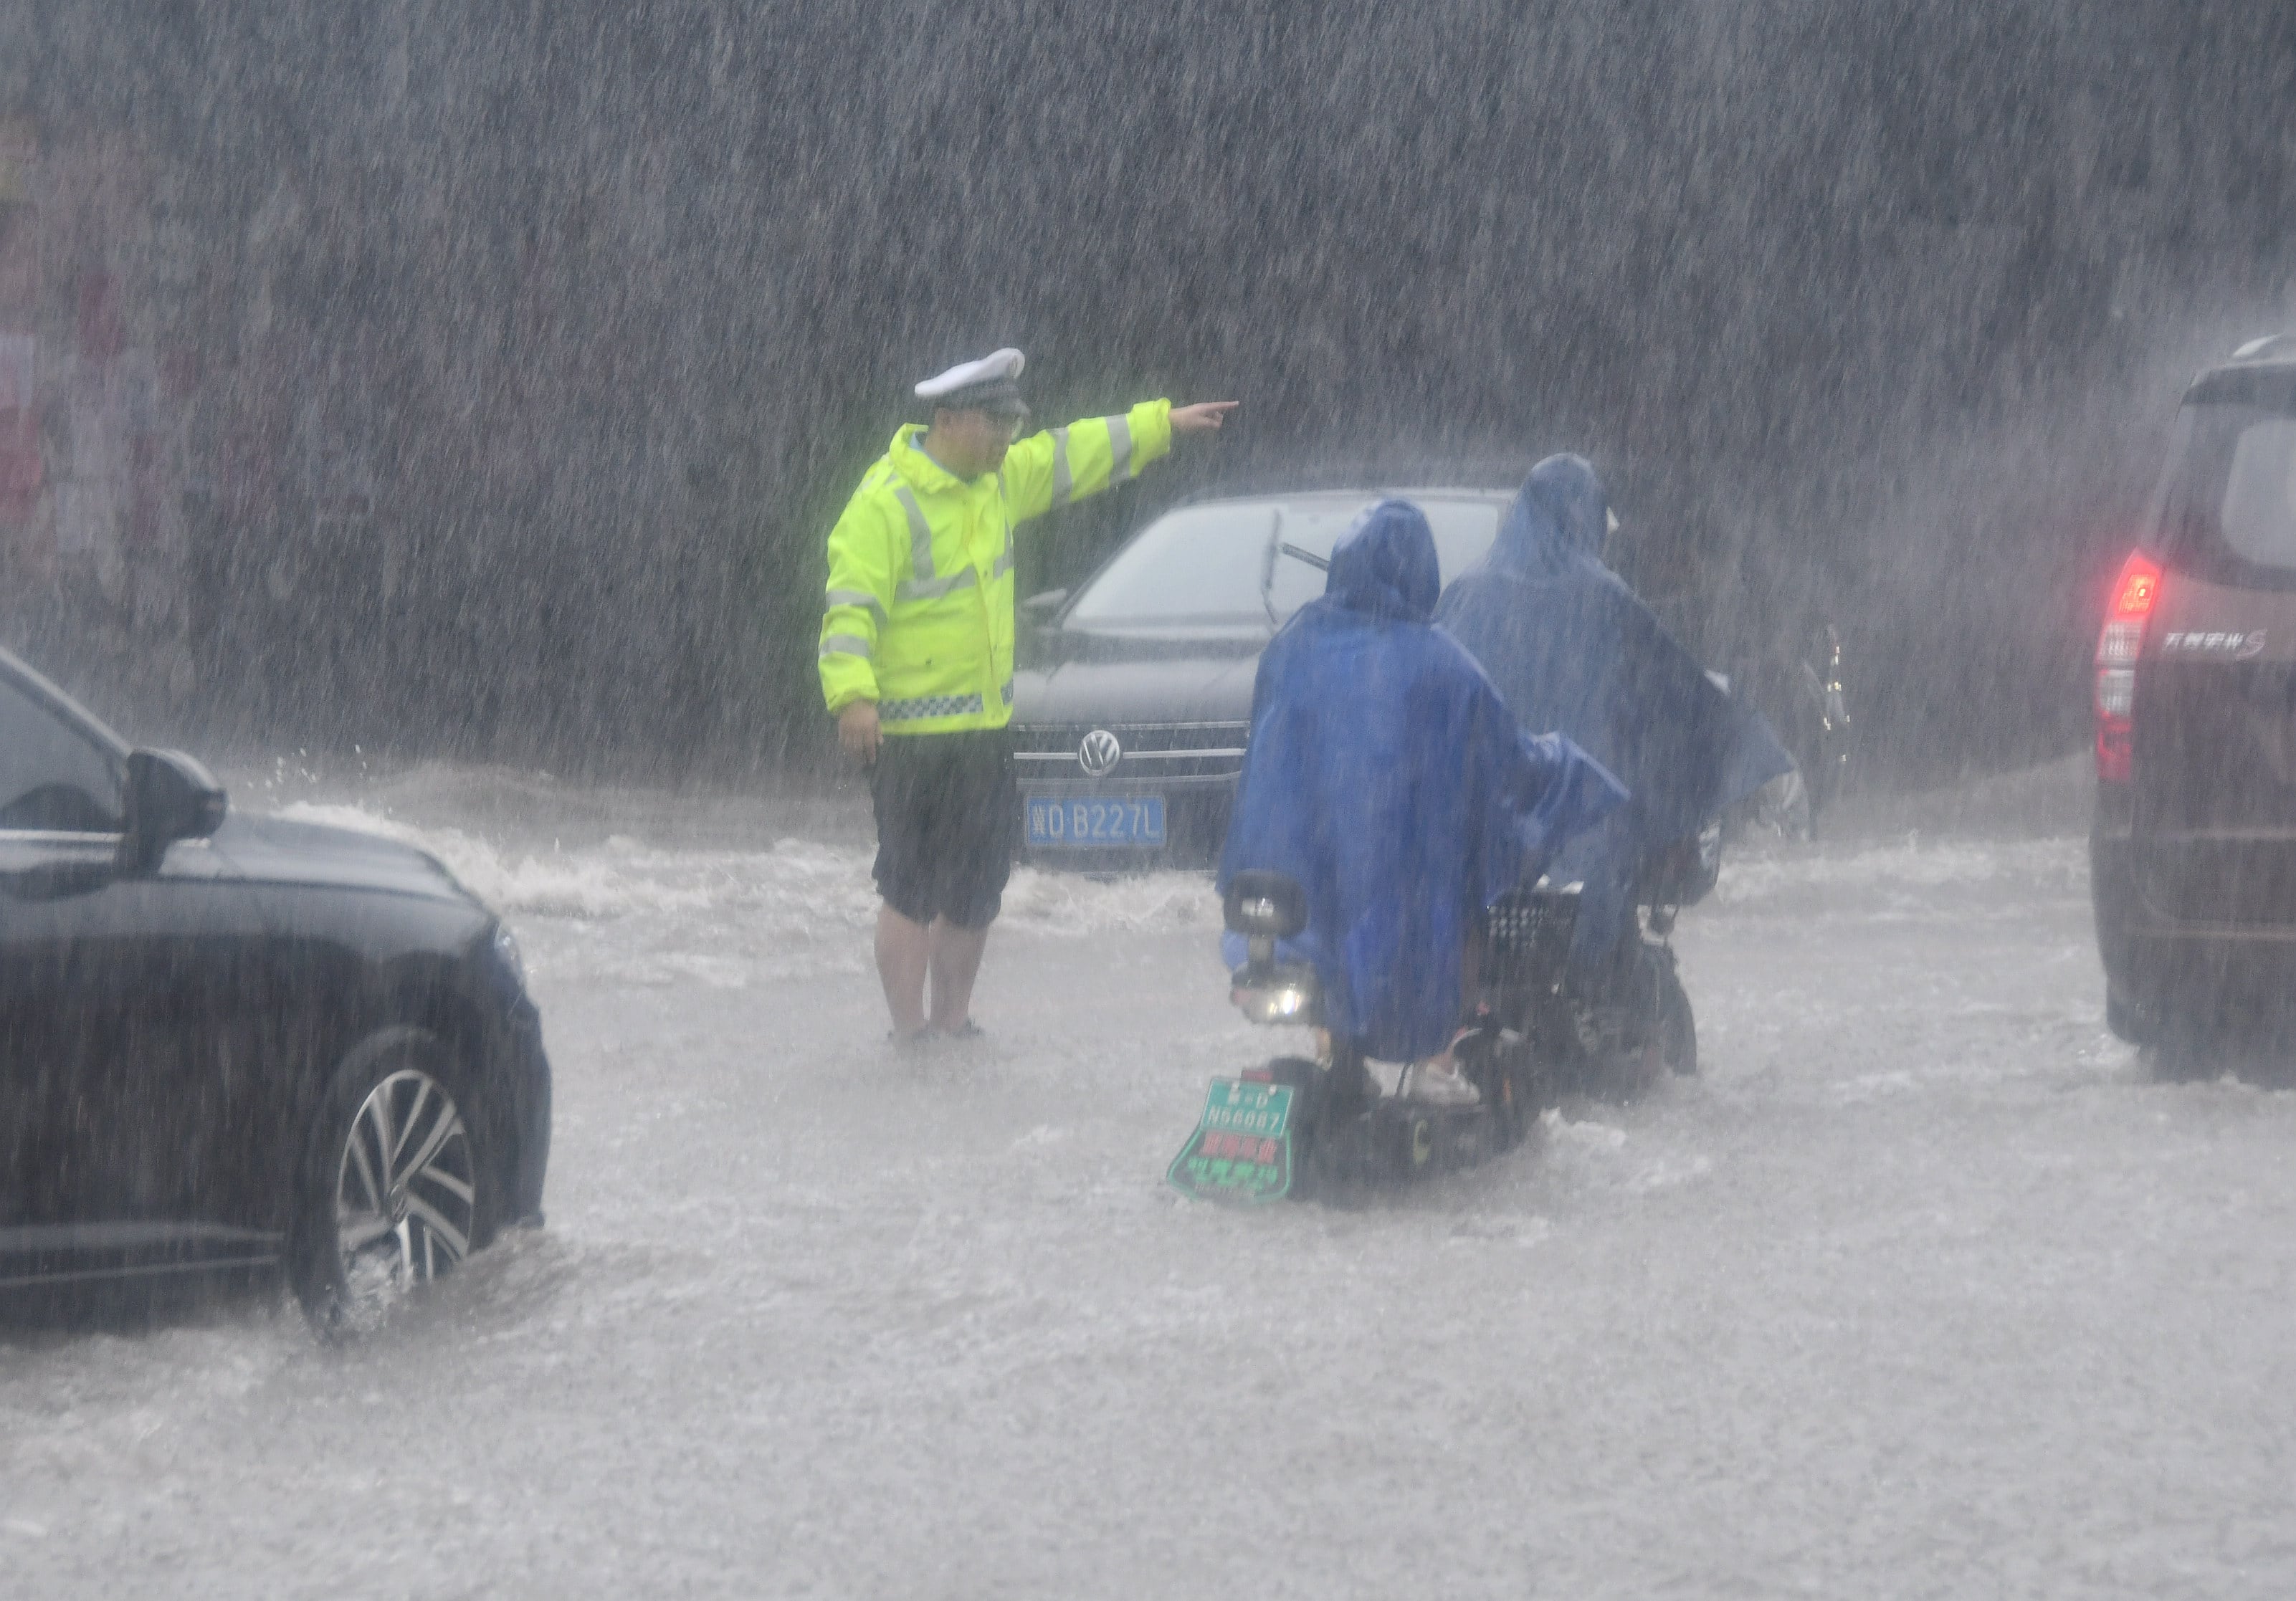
<point>1298,1127</point>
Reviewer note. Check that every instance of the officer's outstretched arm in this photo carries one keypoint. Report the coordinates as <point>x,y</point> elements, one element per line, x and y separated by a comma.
<point>1047,470</point>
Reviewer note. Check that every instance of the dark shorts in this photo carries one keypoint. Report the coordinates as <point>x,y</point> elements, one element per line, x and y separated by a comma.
<point>947,816</point>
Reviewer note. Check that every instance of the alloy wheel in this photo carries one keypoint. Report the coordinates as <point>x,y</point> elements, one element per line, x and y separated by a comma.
<point>406,1189</point>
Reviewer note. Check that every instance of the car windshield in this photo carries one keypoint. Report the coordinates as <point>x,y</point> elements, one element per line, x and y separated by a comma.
<point>1222,564</point>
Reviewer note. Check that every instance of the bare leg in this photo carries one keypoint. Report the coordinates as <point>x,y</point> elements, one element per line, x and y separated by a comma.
<point>1470,971</point>
<point>1438,1076</point>
<point>904,953</point>
<point>956,964</point>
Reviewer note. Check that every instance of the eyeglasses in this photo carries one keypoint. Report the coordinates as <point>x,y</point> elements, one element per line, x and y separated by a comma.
<point>1011,424</point>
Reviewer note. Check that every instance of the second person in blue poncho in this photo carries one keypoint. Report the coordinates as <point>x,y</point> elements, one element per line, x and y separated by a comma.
<point>1387,778</point>
<point>1571,648</point>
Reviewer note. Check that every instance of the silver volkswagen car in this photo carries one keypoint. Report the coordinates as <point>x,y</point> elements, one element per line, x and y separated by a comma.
<point>1134,695</point>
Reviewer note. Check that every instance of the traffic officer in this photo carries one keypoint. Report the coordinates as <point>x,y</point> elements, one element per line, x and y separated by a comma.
<point>916,655</point>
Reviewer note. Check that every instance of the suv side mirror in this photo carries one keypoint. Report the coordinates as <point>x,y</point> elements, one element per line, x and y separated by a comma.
<point>1043,604</point>
<point>170,797</point>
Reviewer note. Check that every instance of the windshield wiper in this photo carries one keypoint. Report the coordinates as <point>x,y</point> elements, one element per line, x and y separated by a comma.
<point>1267,567</point>
<point>1277,545</point>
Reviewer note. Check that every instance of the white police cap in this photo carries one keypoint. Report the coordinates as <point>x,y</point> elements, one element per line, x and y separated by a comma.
<point>988,383</point>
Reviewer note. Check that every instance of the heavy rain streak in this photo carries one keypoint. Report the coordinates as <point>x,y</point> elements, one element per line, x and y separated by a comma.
<point>507,781</point>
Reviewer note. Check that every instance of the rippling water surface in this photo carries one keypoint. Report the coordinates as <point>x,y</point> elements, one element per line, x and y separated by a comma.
<point>1923,1287</point>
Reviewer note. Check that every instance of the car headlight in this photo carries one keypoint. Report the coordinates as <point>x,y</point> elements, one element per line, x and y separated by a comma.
<point>509,966</point>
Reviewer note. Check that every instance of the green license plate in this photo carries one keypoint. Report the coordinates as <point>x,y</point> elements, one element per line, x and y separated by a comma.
<point>1242,1148</point>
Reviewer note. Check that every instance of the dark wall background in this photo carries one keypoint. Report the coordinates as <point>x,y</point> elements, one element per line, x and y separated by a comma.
<point>506,364</point>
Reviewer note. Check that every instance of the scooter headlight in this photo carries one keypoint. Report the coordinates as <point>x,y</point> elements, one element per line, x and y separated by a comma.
<point>1288,1001</point>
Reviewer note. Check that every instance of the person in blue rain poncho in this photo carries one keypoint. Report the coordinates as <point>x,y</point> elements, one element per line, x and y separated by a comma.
<point>1385,776</point>
<point>1570,648</point>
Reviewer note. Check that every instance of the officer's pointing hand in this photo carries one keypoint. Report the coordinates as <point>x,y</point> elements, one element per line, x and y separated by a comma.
<point>1204,417</point>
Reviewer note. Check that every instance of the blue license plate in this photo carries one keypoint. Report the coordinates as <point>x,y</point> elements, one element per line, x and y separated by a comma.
<point>1132,819</point>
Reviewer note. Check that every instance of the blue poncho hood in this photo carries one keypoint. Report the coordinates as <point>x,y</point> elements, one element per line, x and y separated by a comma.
<point>1570,648</point>
<point>1385,566</point>
<point>1556,523</point>
<point>1384,774</point>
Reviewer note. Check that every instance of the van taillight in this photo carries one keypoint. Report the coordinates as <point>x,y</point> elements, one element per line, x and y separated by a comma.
<point>2119,643</point>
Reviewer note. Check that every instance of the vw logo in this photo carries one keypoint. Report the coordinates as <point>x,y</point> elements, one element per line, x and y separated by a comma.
<point>1099,753</point>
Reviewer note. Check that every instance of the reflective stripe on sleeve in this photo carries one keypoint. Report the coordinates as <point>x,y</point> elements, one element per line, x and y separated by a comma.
<point>921,563</point>
<point>1004,561</point>
<point>933,589</point>
<point>846,644</point>
<point>857,597</point>
<point>929,706</point>
<point>1120,440</point>
<point>1062,484</point>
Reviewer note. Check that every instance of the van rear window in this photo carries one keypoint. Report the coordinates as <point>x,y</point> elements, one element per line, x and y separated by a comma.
<point>2258,512</point>
<point>2229,504</point>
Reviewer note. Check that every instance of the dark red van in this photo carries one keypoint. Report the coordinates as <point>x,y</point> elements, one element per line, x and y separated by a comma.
<point>2193,851</point>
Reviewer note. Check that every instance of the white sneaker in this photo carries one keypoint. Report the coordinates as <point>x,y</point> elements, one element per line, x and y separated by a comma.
<point>1442,1086</point>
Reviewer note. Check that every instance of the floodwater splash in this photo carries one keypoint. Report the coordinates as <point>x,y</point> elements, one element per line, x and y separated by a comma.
<point>726,917</point>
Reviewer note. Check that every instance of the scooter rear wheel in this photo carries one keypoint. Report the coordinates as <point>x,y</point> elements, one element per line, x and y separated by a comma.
<point>1503,1072</point>
<point>1676,1030</point>
<point>1663,1033</point>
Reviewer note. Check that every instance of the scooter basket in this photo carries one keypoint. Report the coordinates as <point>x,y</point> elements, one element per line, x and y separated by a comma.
<point>1529,926</point>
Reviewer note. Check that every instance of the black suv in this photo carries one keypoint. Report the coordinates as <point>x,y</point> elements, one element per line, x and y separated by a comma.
<point>238,1043</point>
<point>2194,852</point>
<point>1134,695</point>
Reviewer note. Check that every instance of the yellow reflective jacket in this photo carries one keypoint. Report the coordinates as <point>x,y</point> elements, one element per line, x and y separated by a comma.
<point>920,607</point>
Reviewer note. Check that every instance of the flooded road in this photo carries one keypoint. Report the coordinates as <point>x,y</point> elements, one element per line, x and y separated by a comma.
<point>1923,1287</point>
